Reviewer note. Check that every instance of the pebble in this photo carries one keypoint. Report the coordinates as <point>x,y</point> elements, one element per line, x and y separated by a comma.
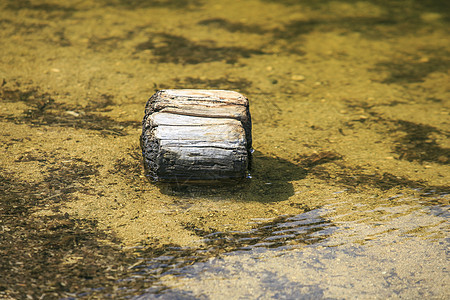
<point>72,113</point>
<point>298,77</point>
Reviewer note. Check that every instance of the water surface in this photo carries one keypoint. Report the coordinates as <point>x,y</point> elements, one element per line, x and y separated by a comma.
<point>349,190</point>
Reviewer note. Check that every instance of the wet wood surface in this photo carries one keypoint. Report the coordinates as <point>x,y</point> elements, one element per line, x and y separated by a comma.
<point>196,135</point>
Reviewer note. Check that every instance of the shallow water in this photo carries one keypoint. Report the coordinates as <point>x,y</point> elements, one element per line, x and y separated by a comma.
<point>310,258</point>
<point>349,190</point>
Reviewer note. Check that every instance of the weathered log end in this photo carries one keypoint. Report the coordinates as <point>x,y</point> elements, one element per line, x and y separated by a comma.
<point>196,135</point>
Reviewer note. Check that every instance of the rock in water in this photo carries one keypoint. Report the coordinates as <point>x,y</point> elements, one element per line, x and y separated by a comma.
<point>196,135</point>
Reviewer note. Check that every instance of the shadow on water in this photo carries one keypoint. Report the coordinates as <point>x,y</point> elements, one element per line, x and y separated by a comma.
<point>415,6</point>
<point>44,110</point>
<point>169,48</point>
<point>44,251</point>
<point>270,181</point>
<point>272,177</point>
<point>283,232</point>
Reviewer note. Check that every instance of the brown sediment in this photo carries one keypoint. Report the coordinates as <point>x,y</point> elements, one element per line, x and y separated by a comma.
<point>348,103</point>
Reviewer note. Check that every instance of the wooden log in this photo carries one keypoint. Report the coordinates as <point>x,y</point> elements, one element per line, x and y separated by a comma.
<point>196,135</point>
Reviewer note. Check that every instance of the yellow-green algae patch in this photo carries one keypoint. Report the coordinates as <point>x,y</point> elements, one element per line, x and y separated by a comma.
<point>349,103</point>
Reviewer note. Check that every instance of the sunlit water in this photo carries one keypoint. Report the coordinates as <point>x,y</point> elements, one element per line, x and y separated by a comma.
<point>348,196</point>
<point>313,255</point>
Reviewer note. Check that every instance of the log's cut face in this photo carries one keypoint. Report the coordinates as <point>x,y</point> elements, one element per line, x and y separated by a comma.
<point>196,135</point>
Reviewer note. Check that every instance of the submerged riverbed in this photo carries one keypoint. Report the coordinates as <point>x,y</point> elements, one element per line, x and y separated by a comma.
<point>349,193</point>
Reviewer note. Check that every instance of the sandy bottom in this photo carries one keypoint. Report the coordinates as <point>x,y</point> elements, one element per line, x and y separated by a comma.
<point>353,261</point>
<point>350,111</point>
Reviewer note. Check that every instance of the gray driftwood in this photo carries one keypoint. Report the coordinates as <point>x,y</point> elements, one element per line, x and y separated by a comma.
<point>196,135</point>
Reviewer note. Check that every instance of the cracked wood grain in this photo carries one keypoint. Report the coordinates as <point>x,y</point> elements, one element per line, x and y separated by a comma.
<point>196,135</point>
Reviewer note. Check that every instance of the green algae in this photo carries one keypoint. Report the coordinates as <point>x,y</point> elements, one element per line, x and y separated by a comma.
<point>350,126</point>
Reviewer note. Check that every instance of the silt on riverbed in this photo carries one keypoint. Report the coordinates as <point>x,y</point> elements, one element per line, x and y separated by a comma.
<point>349,189</point>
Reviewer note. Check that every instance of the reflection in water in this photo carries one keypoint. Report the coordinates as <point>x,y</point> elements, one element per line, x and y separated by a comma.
<point>281,233</point>
<point>305,256</point>
<point>348,100</point>
<point>271,181</point>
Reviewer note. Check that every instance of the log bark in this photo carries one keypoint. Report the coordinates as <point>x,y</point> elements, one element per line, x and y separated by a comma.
<point>192,135</point>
